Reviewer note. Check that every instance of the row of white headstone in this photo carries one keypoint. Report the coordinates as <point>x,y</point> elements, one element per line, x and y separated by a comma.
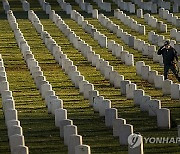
<point>14,129</point>
<point>165,14</point>
<point>103,5</point>
<point>174,33</point>
<point>87,7</point>
<point>65,6</point>
<point>147,6</point>
<point>25,5</point>
<point>153,22</point>
<point>167,86</point>
<point>153,107</point>
<point>125,6</point>
<point>85,49</point>
<point>103,106</point>
<point>167,5</point>
<point>40,80</point>
<point>45,6</point>
<point>116,49</point>
<point>151,6</point>
<point>128,21</point>
<point>131,41</point>
<point>68,131</point>
<point>159,40</point>
<point>142,46</point>
<point>52,101</point>
<point>15,132</point>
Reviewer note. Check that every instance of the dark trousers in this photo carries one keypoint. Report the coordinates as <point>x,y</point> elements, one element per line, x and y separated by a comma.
<point>172,68</point>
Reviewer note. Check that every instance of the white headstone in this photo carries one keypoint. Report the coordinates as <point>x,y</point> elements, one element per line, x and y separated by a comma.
<point>144,103</point>
<point>138,149</point>
<point>20,150</point>
<point>151,50</point>
<point>137,96</point>
<point>82,149</point>
<point>163,118</point>
<point>124,131</point>
<point>10,114</point>
<point>108,69</point>
<point>154,105</point>
<point>16,140</point>
<point>117,123</point>
<point>158,81</point>
<point>151,76</point>
<point>87,88</point>
<point>129,59</point>
<point>139,65</point>
<point>68,131</point>
<point>15,129</point>
<point>97,102</point>
<point>8,104</point>
<point>104,104</point>
<point>117,80</point>
<point>63,123</point>
<point>142,29</point>
<point>56,104</point>
<point>166,87</point>
<point>81,86</point>
<point>12,123</point>
<point>4,85</point>
<point>95,13</point>
<point>123,86</point>
<point>60,114</point>
<point>139,13</point>
<point>44,88</point>
<point>74,141</point>
<point>175,91</point>
<point>130,90</point>
<point>145,72</point>
<point>110,115</point>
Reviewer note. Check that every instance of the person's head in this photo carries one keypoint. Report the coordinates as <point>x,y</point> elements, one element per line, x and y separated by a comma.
<point>167,44</point>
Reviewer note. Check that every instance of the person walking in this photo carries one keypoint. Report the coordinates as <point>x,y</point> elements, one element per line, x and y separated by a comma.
<point>169,59</point>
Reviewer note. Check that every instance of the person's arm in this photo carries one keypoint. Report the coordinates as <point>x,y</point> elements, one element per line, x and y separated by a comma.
<point>160,51</point>
<point>175,55</point>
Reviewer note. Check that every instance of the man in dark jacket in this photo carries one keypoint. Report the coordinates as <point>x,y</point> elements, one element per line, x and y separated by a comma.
<point>169,59</point>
